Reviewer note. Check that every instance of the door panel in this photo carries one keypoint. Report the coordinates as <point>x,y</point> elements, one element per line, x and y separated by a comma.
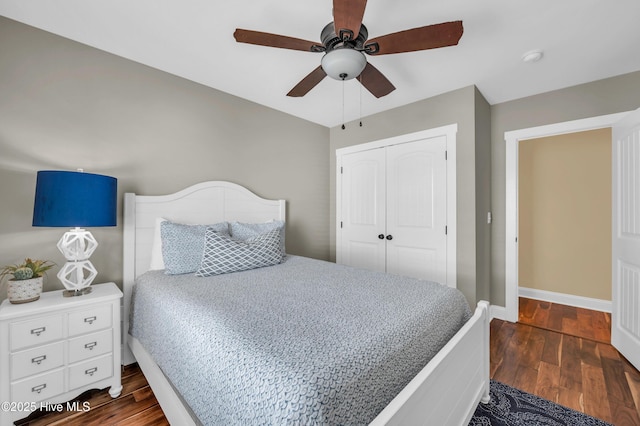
<point>625,327</point>
<point>416,209</point>
<point>363,209</point>
<point>413,189</point>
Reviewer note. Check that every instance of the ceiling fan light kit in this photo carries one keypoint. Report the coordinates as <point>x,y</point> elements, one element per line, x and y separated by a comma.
<point>344,54</point>
<point>343,63</point>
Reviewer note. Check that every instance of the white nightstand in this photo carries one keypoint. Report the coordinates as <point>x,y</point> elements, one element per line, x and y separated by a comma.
<point>55,348</point>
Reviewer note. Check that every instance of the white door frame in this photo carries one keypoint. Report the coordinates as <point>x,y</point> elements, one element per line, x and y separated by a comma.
<point>450,131</point>
<point>511,192</point>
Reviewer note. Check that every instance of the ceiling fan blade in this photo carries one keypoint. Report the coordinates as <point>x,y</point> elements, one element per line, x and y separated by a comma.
<point>275,40</point>
<point>308,83</point>
<point>375,82</point>
<point>347,17</point>
<point>423,38</point>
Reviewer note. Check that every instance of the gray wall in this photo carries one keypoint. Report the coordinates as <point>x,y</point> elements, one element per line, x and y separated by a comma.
<point>464,107</point>
<point>602,97</point>
<point>483,197</point>
<point>64,105</point>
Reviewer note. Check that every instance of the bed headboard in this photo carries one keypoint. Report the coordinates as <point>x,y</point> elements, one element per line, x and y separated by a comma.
<point>207,202</point>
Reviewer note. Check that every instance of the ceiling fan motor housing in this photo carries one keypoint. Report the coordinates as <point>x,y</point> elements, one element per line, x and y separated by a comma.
<point>331,40</point>
<point>343,59</point>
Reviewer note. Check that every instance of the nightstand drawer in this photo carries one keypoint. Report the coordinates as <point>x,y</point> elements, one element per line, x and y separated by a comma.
<point>35,332</point>
<point>38,388</point>
<point>90,345</point>
<point>90,320</point>
<point>36,360</point>
<point>90,371</point>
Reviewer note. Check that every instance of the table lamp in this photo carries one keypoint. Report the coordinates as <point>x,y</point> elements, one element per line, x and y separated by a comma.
<point>76,200</point>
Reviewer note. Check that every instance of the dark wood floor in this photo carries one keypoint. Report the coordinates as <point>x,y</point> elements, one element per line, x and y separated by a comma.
<point>135,406</point>
<point>578,322</point>
<point>558,352</point>
<point>564,354</point>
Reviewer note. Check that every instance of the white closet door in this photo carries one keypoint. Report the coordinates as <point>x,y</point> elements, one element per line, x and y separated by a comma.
<point>417,209</point>
<point>625,315</point>
<point>363,209</point>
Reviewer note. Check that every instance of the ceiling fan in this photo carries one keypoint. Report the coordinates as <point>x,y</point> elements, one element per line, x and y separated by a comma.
<point>344,42</point>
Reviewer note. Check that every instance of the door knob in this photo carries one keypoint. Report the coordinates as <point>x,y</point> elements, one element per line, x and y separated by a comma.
<point>389,237</point>
<point>381,236</point>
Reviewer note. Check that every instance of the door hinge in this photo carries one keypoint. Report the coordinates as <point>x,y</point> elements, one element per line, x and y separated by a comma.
<point>445,230</point>
<point>445,155</point>
<point>341,170</point>
<point>341,224</point>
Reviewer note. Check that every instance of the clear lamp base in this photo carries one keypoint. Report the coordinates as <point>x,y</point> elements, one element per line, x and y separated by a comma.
<point>80,292</point>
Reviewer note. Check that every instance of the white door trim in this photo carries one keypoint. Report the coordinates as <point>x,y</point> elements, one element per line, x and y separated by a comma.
<point>449,132</point>
<point>511,192</point>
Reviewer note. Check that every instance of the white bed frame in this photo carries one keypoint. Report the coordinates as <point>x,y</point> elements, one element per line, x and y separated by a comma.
<point>445,392</point>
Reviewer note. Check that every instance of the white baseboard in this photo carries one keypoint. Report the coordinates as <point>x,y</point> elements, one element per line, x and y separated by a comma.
<point>499,312</point>
<point>565,299</point>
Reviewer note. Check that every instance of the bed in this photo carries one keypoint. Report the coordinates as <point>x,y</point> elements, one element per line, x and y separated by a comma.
<point>377,383</point>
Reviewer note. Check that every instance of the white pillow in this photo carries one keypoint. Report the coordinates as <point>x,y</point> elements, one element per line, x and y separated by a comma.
<point>157,262</point>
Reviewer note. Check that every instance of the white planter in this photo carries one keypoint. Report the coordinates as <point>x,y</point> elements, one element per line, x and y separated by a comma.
<point>24,291</point>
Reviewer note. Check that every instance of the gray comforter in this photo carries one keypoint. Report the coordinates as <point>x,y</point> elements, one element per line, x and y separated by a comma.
<point>302,342</point>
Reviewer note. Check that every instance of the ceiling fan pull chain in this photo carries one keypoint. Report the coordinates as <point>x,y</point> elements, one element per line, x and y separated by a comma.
<point>360,101</point>
<point>343,104</point>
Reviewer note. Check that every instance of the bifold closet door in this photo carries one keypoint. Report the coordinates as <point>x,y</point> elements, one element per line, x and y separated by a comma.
<point>416,209</point>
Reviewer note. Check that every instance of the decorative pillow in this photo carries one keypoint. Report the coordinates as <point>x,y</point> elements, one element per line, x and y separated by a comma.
<point>223,255</point>
<point>183,245</point>
<point>243,231</point>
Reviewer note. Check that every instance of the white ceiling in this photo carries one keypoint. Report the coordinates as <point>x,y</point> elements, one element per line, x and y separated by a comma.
<point>582,40</point>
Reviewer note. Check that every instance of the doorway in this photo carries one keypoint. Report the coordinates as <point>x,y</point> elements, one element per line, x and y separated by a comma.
<point>564,219</point>
<point>512,140</point>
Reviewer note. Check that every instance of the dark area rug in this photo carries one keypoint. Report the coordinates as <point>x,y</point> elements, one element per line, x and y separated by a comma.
<point>510,406</point>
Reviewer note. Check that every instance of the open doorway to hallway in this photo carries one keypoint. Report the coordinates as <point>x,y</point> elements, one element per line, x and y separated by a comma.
<point>564,218</point>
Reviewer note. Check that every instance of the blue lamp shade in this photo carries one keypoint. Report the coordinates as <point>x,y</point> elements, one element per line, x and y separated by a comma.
<point>74,199</point>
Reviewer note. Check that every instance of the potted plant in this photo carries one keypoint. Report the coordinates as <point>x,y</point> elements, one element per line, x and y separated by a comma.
<point>26,284</point>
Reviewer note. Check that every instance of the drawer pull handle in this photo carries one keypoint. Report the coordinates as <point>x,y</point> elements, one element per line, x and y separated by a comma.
<point>38,359</point>
<point>38,331</point>
<point>38,388</point>
<point>91,345</point>
<point>90,320</point>
<point>91,371</point>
